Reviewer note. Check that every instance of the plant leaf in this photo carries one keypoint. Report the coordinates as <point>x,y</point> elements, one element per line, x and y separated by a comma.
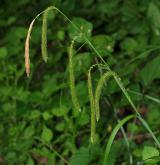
<point>80,157</point>
<point>112,136</point>
<point>150,71</point>
<point>149,152</point>
<point>85,29</point>
<point>47,134</point>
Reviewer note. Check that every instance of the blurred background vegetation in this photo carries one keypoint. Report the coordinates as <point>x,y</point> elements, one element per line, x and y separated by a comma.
<point>37,124</point>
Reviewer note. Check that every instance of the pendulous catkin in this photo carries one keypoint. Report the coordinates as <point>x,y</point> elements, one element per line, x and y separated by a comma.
<point>74,97</point>
<point>27,59</point>
<point>92,102</point>
<point>98,91</point>
<point>44,34</point>
<point>92,107</point>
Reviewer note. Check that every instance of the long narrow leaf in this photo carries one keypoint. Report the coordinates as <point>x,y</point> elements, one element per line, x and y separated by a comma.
<point>112,136</point>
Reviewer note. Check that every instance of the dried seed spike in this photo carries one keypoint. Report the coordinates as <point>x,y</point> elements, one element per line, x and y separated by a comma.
<point>27,59</point>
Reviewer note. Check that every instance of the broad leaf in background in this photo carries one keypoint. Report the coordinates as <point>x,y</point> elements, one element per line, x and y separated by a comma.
<point>129,45</point>
<point>154,16</point>
<point>150,155</point>
<point>81,89</point>
<point>47,134</point>
<point>80,157</point>
<point>82,62</point>
<point>116,149</point>
<point>3,52</point>
<point>60,111</point>
<point>83,118</point>
<point>85,29</point>
<point>103,43</point>
<point>150,71</point>
<point>153,116</point>
<point>149,152</point>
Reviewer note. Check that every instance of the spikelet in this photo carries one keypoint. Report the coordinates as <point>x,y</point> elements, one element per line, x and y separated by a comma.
<point>98,91</point>
<point>44,33</point>
<point>27,59</point>
<point>92,102</point>
<point>74,97</point>
<point>92,107</point>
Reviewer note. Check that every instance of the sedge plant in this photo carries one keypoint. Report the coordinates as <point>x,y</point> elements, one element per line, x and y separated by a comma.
<point>94,97</point>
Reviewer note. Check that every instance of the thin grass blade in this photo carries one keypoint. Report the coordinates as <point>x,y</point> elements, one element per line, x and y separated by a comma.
<point>112,136</point>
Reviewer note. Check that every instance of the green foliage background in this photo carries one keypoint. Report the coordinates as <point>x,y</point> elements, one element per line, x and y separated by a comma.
<point>37,122</point>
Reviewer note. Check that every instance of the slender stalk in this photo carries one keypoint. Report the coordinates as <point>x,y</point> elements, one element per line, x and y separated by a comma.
<point>92,107</point>
<point>75,101</point>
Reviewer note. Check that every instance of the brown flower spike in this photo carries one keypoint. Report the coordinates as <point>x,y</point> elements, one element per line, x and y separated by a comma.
<point>27,60</point>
